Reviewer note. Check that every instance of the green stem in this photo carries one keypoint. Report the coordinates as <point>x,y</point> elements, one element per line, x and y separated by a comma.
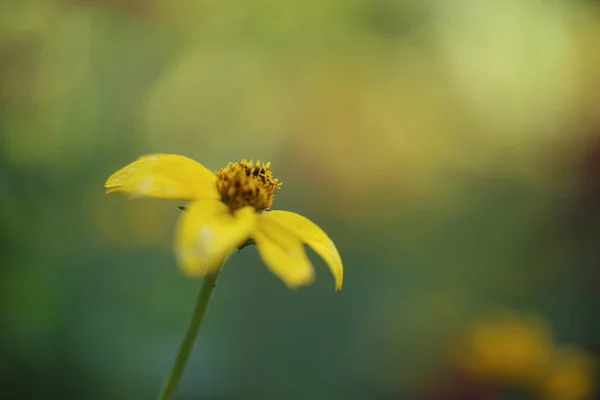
<point>185,348</point>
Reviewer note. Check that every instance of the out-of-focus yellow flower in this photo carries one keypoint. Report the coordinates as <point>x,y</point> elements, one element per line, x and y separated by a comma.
<point>512,350</point>
<point>226,211</point>
<point>571,376</point>
<point>507,349</point>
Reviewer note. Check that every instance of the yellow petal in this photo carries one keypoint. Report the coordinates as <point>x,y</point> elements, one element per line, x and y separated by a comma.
<point>166,176</point>
<point>207,232</point>
<point>283,253</point>
<point>308,232</point>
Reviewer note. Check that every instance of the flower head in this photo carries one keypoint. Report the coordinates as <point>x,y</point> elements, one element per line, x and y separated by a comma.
<point>226,210</point>
<point>570,376</point>
<point>506,348</point>
<point>519,351</point>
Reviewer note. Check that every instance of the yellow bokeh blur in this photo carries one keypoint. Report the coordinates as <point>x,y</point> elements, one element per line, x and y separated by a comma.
<point>506,349</point>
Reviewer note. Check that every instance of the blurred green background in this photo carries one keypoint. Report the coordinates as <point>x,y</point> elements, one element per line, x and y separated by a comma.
<point>451,149</point>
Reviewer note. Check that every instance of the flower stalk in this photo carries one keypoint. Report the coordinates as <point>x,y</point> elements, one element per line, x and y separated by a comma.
<point>185,348</point>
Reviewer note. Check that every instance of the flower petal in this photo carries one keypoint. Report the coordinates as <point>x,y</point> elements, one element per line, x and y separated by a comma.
<point>283,253</point>
<point>167,176</point>
<point>308,232</point>
<point>207,232</point>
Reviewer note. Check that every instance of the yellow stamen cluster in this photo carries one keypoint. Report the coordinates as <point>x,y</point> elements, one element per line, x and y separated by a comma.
<point>247,184</point>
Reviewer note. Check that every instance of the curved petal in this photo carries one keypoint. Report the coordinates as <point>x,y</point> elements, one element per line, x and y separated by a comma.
<point>167,176</point>
<point>207,232</point>
<point>308,232</point>
<point>283,253</point>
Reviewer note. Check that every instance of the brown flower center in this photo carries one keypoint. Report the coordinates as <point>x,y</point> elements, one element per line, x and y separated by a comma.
<point>247,184</point>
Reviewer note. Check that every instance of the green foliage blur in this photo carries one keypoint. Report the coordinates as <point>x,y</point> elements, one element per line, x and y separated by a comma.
<point>451,149</point>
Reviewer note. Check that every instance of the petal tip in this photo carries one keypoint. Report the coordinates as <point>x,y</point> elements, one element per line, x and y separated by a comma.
<point>339,280</point>
<point>111,189</point>
<point>295,285</point>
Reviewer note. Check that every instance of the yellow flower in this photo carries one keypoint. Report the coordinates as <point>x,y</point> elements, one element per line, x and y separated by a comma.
<point>519,351</point>
<point>571,375</point>
<point>226,210</point>
<point>506,348</point>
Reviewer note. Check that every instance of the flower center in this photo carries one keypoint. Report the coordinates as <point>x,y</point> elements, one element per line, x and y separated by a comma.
<point>247,184</point>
